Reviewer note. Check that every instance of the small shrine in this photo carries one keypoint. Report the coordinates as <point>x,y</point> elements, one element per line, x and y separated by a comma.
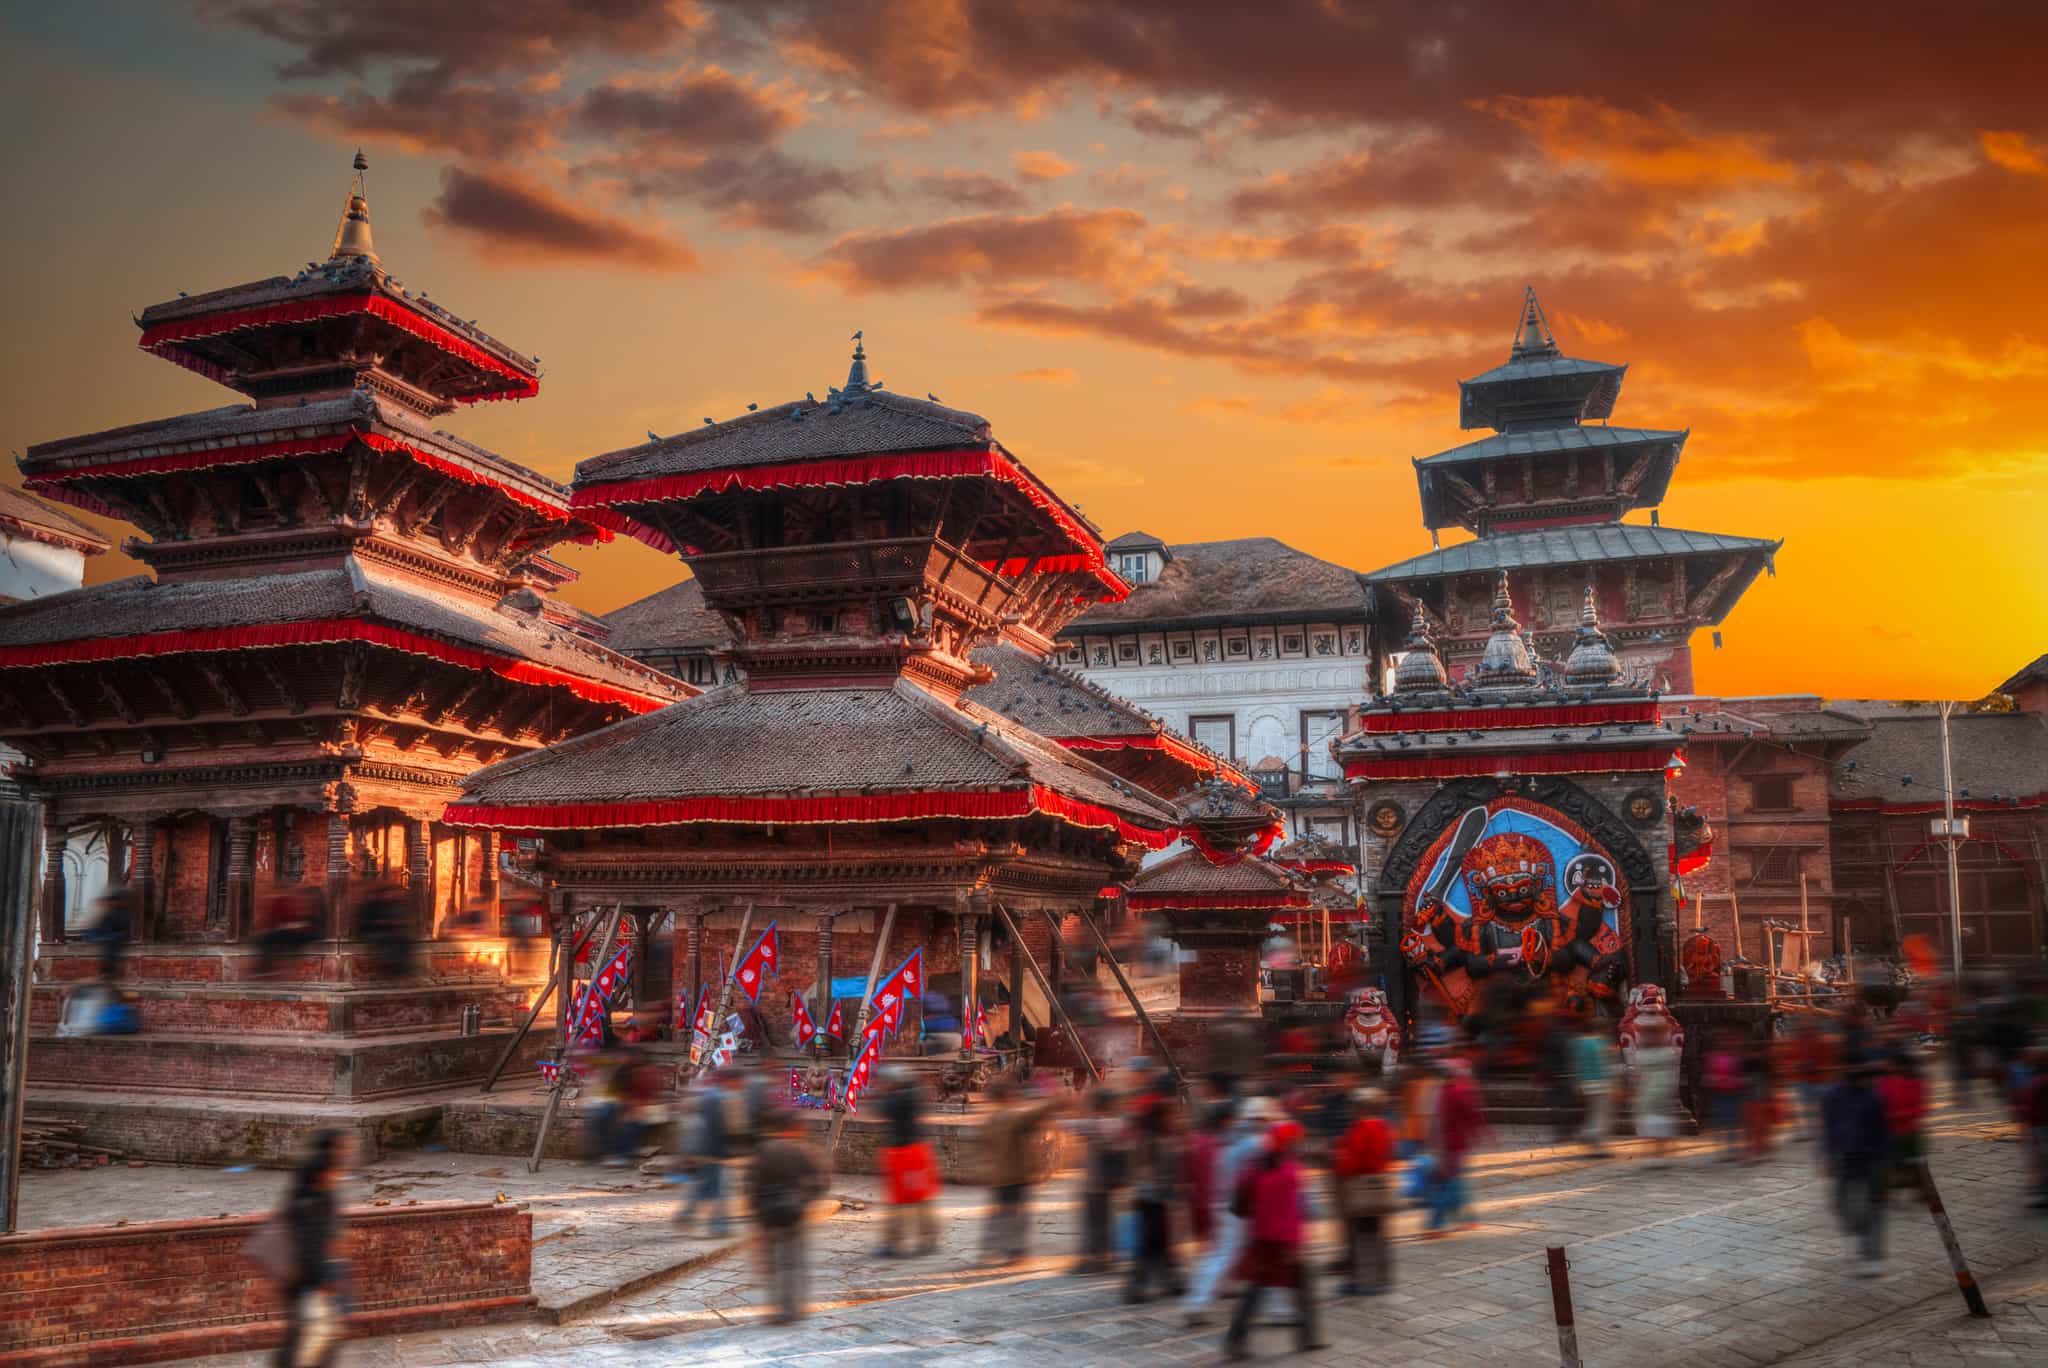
<point>1517,824</point>
<point>348,614</point>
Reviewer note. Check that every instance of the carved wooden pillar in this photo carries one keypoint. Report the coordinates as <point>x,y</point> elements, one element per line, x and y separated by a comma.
<point>565,960</point>
<point>487,872</point>
<point>241,877</point>
<point>969,924</point>
<point>145,927</point>
<point>821,1009</point>
<point>419,878</point>
<point>52,910</point>
<point>696,959</point>
<point>1017,991</point>
<point>340,924</point>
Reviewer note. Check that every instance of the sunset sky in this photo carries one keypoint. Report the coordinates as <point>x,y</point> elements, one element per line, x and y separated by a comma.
<point>1211,270</point>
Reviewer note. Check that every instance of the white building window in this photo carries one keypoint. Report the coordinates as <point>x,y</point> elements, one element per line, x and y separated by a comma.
<point>1219,734</point>
<point>1318,730</point>
<point>1133,566</point>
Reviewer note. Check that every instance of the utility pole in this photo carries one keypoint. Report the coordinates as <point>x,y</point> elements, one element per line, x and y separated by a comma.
<point>1948,834</point>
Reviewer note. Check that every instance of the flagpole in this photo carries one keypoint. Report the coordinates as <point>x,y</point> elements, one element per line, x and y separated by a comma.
<point>725,983</point>
<point>547,1118</point>
<point>859,1026</point>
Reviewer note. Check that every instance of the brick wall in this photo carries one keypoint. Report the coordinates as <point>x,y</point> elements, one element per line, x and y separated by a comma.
<point>174,1289</point>
<point>1217,976</point>
<point>187,854</point>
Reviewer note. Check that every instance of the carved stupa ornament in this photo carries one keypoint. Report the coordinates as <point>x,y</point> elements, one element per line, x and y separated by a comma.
<point>1421,670</point>
<point>1225,823</point>
<point>1592,663</point>
<point>1506,663</point>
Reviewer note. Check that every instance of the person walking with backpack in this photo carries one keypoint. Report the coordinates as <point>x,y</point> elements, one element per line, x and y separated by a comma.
<point>785,1178</point>
<point>1273,1201</point>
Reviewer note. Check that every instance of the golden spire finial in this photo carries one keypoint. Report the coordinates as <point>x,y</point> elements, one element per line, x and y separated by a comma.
<point>352,238</point>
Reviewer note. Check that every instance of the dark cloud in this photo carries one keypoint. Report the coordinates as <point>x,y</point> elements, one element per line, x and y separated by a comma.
<point>1071,244</point>
<point>707,108</point>
<point>970,190</point>
<point>431,111</point>
<point>1424,173</point>
<point>510,217</point>
<point>477,36</point>
<point>765,189</point>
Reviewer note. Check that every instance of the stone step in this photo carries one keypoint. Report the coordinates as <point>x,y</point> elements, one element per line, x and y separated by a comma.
<point>339,962</point>
<point>185,1129</point>
<point>315,1009</point>
<point>304,1068</point>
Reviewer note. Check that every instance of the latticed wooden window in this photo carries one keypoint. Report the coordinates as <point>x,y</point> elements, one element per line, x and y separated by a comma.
<point>1778,865</point>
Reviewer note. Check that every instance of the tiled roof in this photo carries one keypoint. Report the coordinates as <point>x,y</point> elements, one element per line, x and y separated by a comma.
<point>347,275</point>
<point>1542,368</point>
<point>869,424</point>
<point>238,424</point>
<point>1134,541</point>
<point>1191,872</point>
<point>674,619</point>
<point>138,606</point>
<point>24,512</point>
<point>1246,580</point>
<point>1538,441</point>
<point>1992,755</point>
<point>2036,673</point>
<point>735,741</point>
<point>1035,693</point>
<point>1566,546</point>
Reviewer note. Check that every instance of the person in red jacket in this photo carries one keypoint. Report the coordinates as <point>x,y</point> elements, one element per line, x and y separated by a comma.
<point>1363,1159</point>
<point>1274,1200</point>
<point>1460,1126</point>
<point>1903,1094</point>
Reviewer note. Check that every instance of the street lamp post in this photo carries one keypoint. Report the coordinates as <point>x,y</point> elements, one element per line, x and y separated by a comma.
<point>1948,834</point>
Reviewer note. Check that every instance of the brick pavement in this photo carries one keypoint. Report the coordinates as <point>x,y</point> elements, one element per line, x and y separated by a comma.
<point>1699,1263</point>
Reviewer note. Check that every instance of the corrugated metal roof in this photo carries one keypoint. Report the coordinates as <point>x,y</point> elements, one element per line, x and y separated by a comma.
<point>1566,546</point>
<point>1545,440</point>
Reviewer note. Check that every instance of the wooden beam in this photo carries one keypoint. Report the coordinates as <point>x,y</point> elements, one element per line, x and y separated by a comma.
<point>267,489</point>
<point>177,702</point>
<point>1704,599</point>
<point>225,687</point>
<point>355,666</point>
<point>127,712</point>
<point>224,519</point>
<point>291,698</point>
<point>518,719</point>
<point>394,493</point>
<point>309,476</point>
<point>70,709</point>
<point>428,505</point>
<point>358,498</point>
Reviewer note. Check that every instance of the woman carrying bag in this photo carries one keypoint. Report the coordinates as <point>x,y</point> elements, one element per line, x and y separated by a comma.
<point>296,1247</point>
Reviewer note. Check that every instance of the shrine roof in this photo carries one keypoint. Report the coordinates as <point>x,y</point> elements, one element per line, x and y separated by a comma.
<point>1567,546</point>
<point>879,742</point>
<point>1541,367</point>
<point>1542,441</point>
<point>138,607</point>
<point>671,619</point>
<point>1192,873</point>
<point>2035,673</point>
<point>23,514</point>
<point>1733,723</point>
<point>875,423</point>
<point>238,425</point>
<point>324,281</point>
<point>1250,579</point>
<point>1994,756</point>
<point>1033,692</point>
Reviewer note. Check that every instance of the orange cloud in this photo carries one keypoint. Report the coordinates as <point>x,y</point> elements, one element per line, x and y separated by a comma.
<point>2015,152</point>
<point>1654,149</point>
<point>1072,244</point>
<point>1041,165</point>
<point>511,219</point>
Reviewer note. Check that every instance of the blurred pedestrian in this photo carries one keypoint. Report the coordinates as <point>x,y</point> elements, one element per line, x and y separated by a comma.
<point>1459,1126</point>
<point>706,1148</point>
<point>1759,1101</point>
<point>291,920</point>
<point>112,924</point>
<point>1012,1135</point>
<point>384,920</point>
<point>1363,1165</point>
<point>1904,1095</point>
<point>784,1179</point>
<point>1812,1061</point>
<point>1272,1199</point>
<point>1101,1132</point>
<point>316,1281</point>
<point>909,1224</point>
<point>1856,1143</point>
<point>1592,1061</point>
<point>2034,1123</point>
<point>1724,1093</point>
<point>1240,1138</point>
<point>1654,1088</point>
<point>1155,1180</point>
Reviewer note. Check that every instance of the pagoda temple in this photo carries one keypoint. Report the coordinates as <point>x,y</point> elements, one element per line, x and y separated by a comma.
<point>867,552</point>
<point>348,615</point>
<point>1544,496</point>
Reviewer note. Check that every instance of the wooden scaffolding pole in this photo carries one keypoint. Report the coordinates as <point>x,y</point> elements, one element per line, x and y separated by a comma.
<point>547,1118</point>
<point>860,1025</point>
<point>1059,1012</point>
<point>1131,995</point>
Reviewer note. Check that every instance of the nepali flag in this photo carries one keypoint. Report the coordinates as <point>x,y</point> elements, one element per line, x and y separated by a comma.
<point>857,1080</point>
<point>977,1025</point>
<point>760,962</point>
<point>901,987</point>
<point>588,1023</point>
<point>835,1029</point>
<point>705,1008</point>
<point>551,1071</point>
<point>805,1030</point>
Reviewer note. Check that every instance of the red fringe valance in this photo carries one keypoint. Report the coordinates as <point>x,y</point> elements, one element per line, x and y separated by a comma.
<point>1318,866</point>
<point>255,452</point>
<point>162,339</point>
<point>962,463</point>
<point>977,805</point>
<point>1483,719</point>
<point>320,633</point>
<point>1339,916</point>
<point>1216,902</point>
<point>1462,766</point>
<point>1194,759</point>
<point>1215,855</point>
